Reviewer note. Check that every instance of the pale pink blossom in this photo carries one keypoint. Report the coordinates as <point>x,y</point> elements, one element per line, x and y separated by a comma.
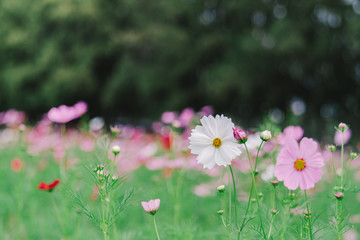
<point>12,118</point>
<point>290,132</point>
<point>338,136</point>
<point>299,165</point>
<point>186,117</point>
<point>206,111</point>
<point>64,114</point>
<point>168,117</point>
<point>152,206</point>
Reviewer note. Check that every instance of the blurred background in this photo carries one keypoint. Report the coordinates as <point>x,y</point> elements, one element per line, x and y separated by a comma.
<point>292,62</point>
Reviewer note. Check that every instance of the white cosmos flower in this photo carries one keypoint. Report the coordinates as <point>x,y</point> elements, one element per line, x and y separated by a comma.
<point>214,141</point>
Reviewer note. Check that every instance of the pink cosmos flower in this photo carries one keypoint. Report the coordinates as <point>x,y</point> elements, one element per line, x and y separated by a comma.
<point>152,206</point>
<point>168,117</point>
<point>186,117</point>
<point>12,118</point>
<point>338,137</point>
<point>290,132</point>
<point>64,114</point>
<point>299,165</point>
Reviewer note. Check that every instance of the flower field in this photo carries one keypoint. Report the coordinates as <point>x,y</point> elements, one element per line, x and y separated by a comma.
<point>191,175</point>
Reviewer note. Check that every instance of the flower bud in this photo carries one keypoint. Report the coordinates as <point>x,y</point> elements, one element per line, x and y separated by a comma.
<point>331,148</point>
<point>274,212</point>
<point>115,130</point>
<point>353,155</point>
<point>339,195</point>
<point>240,135</point>
<point>275,183</point>
<point>292,196</point>
<point>342,127</point>
<point>115,150</point>
<point>261,195</point>
<point>220,212</point>
<point>221,188</point>
<point>265,135</point>
<point>307,214</point>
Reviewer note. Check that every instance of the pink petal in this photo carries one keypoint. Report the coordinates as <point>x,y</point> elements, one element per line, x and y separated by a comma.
<point>293,148</point>
<point>313,173</point>
<point>152,205</point>
<point>284,157</point>
<point>307,147</point>
<point>146,207</point>
<point>282,171</point>
<point>305,181</point>
<point>157,203</point>
<point>292,182</point>
<point>315,160</point>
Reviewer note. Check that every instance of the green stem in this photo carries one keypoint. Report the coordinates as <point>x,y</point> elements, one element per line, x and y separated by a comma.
<point>333,165</point>
<point>57,212</point>
<point>342,163</point>
<point>251,191</point>
<point>247,208</point>
<point>309,215</point>
<point>157,233</point>
<point>104,225</point>
<point>177,205</point>
<point>257,155</point>
<point>256,193</point>
<point>272,215</point>
<point>229,210</point>
<point>235,197</point>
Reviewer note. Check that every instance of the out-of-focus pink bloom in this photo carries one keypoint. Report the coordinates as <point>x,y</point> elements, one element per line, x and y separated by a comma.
<point>64,114</point>
<point>152,206</point>
<point>17,165</point>
<point>156,163</point>
<point>168,117</point>
<point>299,166</point>
<point>12,118</point>
<point>203,190</point>
<point>290,132</point>
<point>87,144</point>
<point>206,111</point>
<point>157,126</point>
<point>186,117</point>
<point>59,151</point>
<point>338,136</point>
<point>80,108</point>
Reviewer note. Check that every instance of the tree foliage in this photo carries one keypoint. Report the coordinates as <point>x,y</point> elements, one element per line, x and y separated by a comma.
<point>137,58</point>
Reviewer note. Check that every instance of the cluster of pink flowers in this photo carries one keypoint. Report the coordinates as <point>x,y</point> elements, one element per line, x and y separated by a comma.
<point>299,162</point>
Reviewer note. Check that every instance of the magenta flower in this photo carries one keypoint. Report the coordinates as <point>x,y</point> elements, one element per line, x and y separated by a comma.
<point>240,135</point>
<point>152,206</point>
<point>299,165</point>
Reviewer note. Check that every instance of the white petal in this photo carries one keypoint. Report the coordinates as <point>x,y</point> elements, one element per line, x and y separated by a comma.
<point>220,159</point>
<point>206,156</point>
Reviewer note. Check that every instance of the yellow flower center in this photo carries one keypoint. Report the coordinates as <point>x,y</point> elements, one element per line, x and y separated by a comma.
<point>300,164</point>
<point>217,142</point>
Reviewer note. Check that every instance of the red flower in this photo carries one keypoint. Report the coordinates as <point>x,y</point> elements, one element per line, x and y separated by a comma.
<point>48,187</point>
<point>166,140</point>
